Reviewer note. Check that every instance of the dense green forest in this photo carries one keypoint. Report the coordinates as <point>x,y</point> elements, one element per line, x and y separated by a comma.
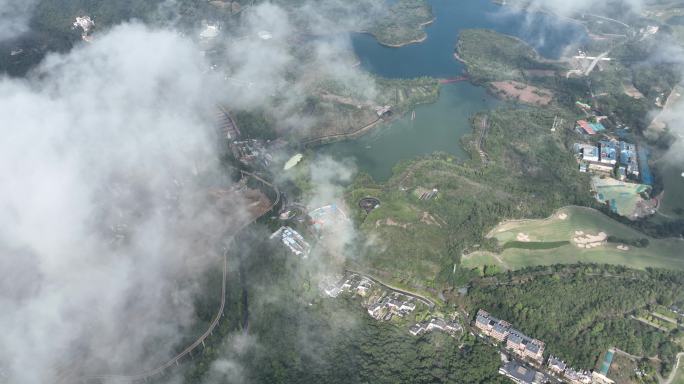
<point>581,311</point>
<point>298,336</point>
<point>491,56</point>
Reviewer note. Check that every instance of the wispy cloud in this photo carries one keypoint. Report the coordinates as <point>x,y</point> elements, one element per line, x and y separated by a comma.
<point>14,17</point>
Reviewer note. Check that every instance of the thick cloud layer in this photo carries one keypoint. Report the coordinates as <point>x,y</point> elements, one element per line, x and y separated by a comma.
<point>14,17</point>
<point>105,161</point>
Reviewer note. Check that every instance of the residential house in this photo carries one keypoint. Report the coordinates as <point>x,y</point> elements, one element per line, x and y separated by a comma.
<point>556,365</point>
<point>363,287</point>
<point>492,326</point>
<point>417,329</point>
<point>375,310</point>
<point>435,323</point>
<point>525,346</point>
<point>577,377</point>
<point>407,306</point>
<point>453,326</point>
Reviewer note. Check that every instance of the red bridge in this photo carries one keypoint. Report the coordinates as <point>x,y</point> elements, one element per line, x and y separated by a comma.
<point>453,79</point>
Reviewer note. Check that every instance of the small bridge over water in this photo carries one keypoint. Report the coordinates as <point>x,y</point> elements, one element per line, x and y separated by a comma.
<point>450,80</point>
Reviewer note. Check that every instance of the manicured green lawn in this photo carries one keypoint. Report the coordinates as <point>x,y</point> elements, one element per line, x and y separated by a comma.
<point>659,253</point>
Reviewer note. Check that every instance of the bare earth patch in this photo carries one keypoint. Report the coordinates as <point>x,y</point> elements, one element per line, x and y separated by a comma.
<point>631,91</point>
<point>524,93</point>
<point>391,223</point>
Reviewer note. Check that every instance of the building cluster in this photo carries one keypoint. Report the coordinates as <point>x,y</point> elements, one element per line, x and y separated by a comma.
<point>352,284</point>
<point>560,369</point>
<point>293,241</point>
<point>386,307</point>
<point>516,341</point>
<point>383,303</point>
<point>251,152</point>
<point>608,155</point>
<point>436,324</point>
<point>529,349</point>
<point>589,128</point>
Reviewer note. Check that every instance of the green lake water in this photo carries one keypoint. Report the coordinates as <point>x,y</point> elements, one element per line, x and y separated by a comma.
<point>439,126</point>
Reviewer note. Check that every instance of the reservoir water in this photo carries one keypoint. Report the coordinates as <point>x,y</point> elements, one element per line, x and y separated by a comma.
<point>439,126</point>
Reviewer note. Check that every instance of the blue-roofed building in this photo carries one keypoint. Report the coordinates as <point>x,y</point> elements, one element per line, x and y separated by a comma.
<point>644,169</point>
<point>628,159</point>
<point>598,127</point>
<point>609,152</point>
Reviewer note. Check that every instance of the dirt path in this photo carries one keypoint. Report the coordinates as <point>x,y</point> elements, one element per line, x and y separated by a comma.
<point>674,369</point>
<point>341,136</point>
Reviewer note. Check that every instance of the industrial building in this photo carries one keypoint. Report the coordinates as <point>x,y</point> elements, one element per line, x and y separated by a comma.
<point>608,152</point>
<point>521,374</point>
<point>293,241</point>
<point>604,156</point>
<point>587,152</point>
<point>439,324</point>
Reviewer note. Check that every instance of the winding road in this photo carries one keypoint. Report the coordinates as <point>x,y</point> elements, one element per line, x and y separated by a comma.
<point>423,299</point>
<point>674,369</point>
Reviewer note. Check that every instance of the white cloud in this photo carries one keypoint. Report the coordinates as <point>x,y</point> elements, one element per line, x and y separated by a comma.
<point>104,224</point>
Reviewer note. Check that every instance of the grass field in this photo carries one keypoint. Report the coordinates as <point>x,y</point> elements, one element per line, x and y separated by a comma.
<point>679,377</point>
<point>624,197</point>
<point>659,253</point>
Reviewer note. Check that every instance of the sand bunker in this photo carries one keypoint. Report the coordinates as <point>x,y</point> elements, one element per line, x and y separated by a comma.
<point>562,216</point>
<point>623,247</point>
<point>589,241</point>
<point>523,237</point>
